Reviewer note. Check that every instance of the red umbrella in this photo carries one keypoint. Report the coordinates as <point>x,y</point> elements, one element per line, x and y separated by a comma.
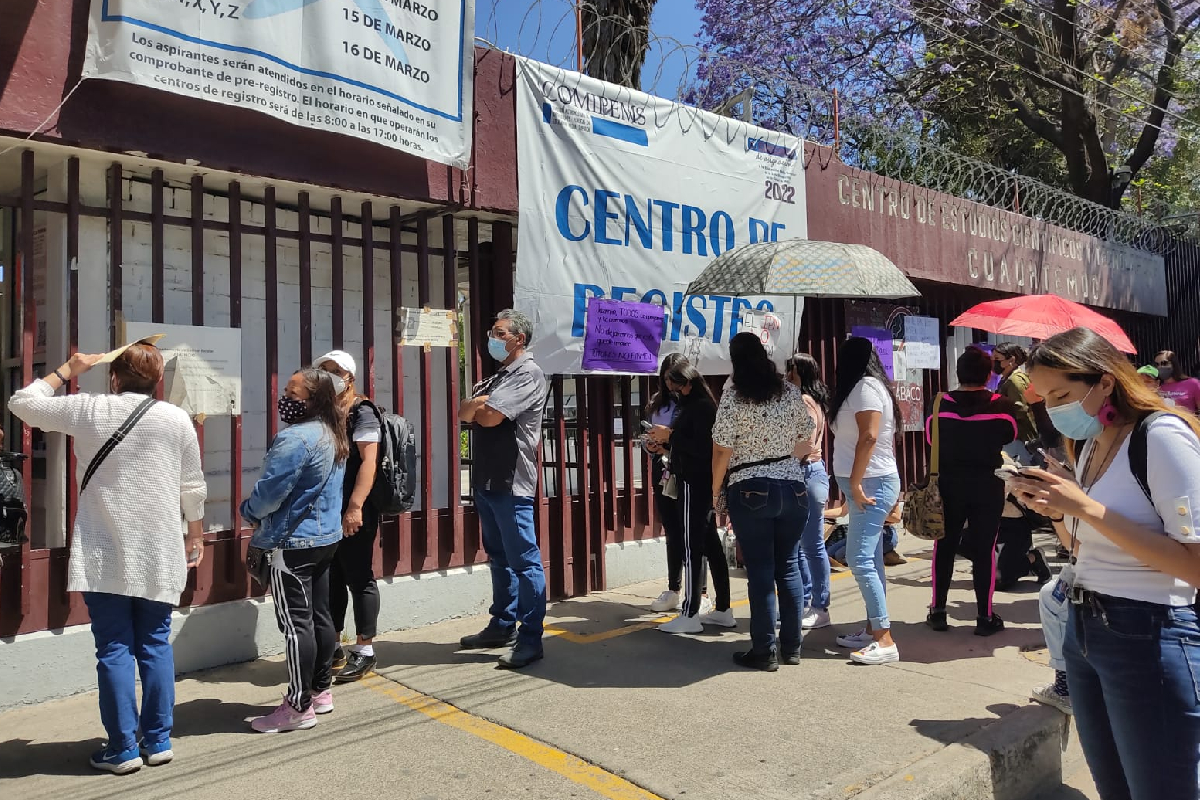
<point>1040,316</point>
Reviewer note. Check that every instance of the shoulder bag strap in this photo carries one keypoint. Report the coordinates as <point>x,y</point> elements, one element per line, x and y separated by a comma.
<point>114,440</point>
<point>934,460</point>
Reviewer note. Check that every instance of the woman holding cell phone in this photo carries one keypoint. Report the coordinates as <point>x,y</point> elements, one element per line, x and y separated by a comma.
<point>1132,649</point>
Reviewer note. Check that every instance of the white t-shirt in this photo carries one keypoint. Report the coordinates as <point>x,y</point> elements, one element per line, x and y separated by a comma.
<point>1173,472</point>
<point>869,394</point>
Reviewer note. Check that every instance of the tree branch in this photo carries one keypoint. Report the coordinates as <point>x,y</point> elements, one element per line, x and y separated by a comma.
<point>1028,116</point>
<point>1164,89</point>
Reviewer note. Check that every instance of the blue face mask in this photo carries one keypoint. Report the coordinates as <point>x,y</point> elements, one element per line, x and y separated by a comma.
<point>1073,421</point>
<point>497,349</point>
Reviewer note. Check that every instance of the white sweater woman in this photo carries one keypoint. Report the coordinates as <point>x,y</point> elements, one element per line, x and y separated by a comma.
<point>129,550</point>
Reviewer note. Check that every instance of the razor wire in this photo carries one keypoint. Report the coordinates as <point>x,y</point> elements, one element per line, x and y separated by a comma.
<point>902,150</point>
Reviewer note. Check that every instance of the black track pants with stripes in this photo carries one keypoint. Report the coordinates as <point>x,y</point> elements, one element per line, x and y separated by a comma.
<point>300,586</point>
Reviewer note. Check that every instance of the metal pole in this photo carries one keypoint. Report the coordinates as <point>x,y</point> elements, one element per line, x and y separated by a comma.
<point>837,133</point>
<point>579,36</point>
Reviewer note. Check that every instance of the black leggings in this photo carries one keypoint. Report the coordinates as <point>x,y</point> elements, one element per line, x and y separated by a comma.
<point>353,574</point>
<point>301,592</point>
<point>977,504</point>
<point>672,523</point>
<point>700,536</point>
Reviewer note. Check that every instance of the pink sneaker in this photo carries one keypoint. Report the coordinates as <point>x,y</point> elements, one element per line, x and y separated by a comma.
<point>322,702</point>
<point>285,718</point>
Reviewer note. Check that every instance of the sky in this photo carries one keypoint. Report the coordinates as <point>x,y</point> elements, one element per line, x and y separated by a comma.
<point>545,30</point>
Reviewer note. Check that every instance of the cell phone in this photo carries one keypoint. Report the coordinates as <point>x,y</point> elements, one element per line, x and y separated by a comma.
<point>646,425</point>
<point>1007,472</point>
<point>1026,472</point>
<point>194,556</point>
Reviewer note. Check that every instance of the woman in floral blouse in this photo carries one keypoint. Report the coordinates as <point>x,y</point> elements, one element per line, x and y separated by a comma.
<point>760,418</point>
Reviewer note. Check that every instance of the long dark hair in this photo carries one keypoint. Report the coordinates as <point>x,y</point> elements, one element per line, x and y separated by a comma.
<point>1087,357</point>
<point>857,360</point>
<point>323,405</point>
<point>682,373</point>
<point>662,397</point>
<point>808,372</point>
<point>1177,372</point>
<point>755,376</point>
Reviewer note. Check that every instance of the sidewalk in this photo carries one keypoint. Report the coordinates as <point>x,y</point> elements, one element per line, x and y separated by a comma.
<point>616,710</point>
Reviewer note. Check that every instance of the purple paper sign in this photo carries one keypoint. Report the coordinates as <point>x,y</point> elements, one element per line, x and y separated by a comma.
<point>882,339</point>
<point>623,336</point>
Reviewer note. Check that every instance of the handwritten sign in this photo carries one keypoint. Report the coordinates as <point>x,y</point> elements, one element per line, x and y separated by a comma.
<point>921,343</point>
<point>763,324</point>
<point>622,336</point>
<point>434,327</point>
<point>203,366</point>
<point>882,339</point>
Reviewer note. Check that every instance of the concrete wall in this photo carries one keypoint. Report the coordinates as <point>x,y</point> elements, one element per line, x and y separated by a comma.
<point>64,664</point>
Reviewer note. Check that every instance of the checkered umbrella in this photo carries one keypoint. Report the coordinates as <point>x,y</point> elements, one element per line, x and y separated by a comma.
<point>804,268</point>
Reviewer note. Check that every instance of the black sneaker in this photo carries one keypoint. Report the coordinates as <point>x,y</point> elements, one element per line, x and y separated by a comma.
<point>489,638</point>
<point>767,662</point>
<point>522,655</point>
<point>791,659</point>
<point>1040,568</point>
<point>339,658</point>
<point>986,626</point>
<point>357,665</point>
<point>936,619</point>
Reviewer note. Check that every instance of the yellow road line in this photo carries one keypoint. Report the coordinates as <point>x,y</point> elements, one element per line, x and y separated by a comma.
<point>571,767</point>
<point>602,636</point>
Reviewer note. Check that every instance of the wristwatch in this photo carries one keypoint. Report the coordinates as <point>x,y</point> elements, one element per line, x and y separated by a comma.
<point>59,375</point>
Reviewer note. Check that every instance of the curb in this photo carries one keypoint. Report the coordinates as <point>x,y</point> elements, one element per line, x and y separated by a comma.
<point>1017,757</point>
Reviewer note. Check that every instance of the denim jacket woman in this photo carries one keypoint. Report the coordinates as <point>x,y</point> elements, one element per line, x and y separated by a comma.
<point>297,500</point>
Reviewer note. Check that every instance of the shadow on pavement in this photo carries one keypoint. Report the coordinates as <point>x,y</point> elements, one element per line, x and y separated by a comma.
<point>20,758</point>
<point>956,731</point>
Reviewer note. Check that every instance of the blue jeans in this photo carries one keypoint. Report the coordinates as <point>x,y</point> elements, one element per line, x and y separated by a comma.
<point>131,631</point>
<point>518,579</point>
<point>1054,610</point>
<point>768,516</point>
<point>889,536</point>
<point>814,562</point>
<point>864,543</point>
<point>1133,669</point>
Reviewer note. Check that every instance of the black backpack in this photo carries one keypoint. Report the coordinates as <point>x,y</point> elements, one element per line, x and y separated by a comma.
<point>13,514</point>
<point>395,488</point>
<point>1137,453</point>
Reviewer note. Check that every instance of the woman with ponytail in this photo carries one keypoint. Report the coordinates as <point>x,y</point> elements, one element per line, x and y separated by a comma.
<point>296,508</point>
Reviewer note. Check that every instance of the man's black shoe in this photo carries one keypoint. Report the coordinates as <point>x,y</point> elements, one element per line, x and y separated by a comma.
<point>767,662</point>
<point>986,626</point>
<point>791,659</point>
<point>488,638</point>
<point>1040,568</point>
<point>522,655</point>
<point>357,665</point>
<point>339,658</point>
<point>936,619</point>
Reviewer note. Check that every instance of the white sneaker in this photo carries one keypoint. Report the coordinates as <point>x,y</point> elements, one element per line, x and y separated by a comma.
<point>667,601</point>
<point>1047,696</point>
<point>875,653</point>
<point>724,618</point>
<point>706,605</point>
<point>815,618</point>
<point>855,640</point>
<point>682,624</point>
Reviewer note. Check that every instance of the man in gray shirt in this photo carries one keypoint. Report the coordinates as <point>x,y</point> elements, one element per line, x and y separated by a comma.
<point>505,413</point>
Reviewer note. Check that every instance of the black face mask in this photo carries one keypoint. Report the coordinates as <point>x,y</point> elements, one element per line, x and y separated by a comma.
<point>997,368</point>
<point>1165,372</point>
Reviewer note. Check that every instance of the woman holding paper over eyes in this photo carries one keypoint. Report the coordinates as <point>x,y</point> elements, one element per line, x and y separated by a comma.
<point>1132,648</point>
<point>140,484</point>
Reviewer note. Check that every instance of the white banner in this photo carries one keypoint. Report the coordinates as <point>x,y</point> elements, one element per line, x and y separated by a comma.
<point>396,72</point>
<point>629,197</point>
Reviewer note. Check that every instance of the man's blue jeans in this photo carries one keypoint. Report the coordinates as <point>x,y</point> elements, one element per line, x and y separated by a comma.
<point>814,561</point>
<point>131,631</point>
<point>518,578</point>
<point>1133,669</point>
<point>768,517</point>
<point>864,543</point>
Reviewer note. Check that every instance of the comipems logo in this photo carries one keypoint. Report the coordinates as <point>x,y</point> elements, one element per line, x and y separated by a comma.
<point>594,104</point>
<point>770,149</point>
